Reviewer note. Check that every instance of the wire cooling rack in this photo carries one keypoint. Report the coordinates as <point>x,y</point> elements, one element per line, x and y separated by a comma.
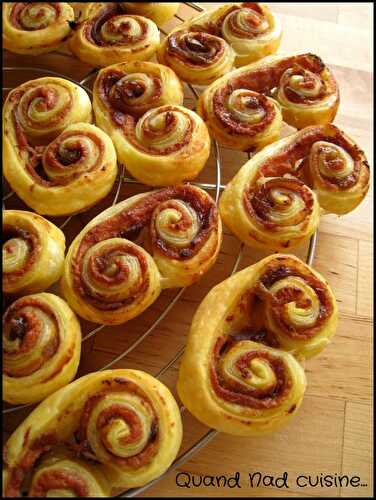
<point>122,179</point>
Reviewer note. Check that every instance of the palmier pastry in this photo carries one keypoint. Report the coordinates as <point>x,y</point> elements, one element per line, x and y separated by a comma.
<point>124,424</point>
<point>160,12</point>
<point>160,142</point>
<point>33,252</point>
<point>110,36</point>
<point>55,162</point>
<point>274,200</point>
<point>209,45</point>
<point>36,27</point>
<point>41,347</point>
<point>110,279</point>
<point>240,372</point>
<point>243,109</point>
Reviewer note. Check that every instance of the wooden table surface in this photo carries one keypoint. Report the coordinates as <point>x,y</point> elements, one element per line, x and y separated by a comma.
<point>332,432</point>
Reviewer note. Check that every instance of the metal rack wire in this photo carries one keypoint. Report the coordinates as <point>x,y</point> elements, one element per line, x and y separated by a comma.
<point>217,186</point>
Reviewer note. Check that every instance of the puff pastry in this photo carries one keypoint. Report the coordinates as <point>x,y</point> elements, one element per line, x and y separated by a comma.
<point>244,109</point>
<point>207,46</point>
<point>110,279</point>
<point>240,372</point>
<point>36,27</point>
<point>55,162</point>
<point>160,142</point>
<point>160,12</point>
<point>33,252</point>
<point>110,36</point>
<point>125,422</point>
<point>41,347</point>
<point>274,200</point>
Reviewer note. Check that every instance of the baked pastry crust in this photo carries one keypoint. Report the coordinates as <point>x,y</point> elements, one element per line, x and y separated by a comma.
<point>159,141</point>
<point>56,162</point>
<point>33,252</point>
<point>110,279</point>
<point>274,200</point>
<point>208,46</point>
<point>109,36</point>
<point>41,347</point>
<point>92,415</point>
<point>240,372</point>
<point>34,28</point>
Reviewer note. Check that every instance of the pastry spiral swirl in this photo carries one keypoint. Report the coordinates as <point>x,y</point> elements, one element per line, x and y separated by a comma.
<point>36,27</point>
<point>307,93</point>
<point>207,46</point>
<point>56,163</point>
<point>125,422</point>
<point>300,87</point>
<point>274,200</point>
<point>251,29</point>
<point>240,118</point>
<point>160,142</point>
<point>239,373</point>
<point>110,279</point>
<point>196,57</point>
<point>33,252</point>
<point>41,347</point>
<point>338,171</point>
<point>64,475</point>
<point>160,12</point>
<point>110,36</point>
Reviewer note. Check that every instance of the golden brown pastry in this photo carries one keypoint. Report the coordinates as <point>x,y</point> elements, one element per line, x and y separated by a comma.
<point>160,142</point>
<point>239,372</point>
<point>110,36</point>
<point>33,252</point>
<point>41,347</point>
<point>160,12</point>
<point>207,46</point>
<point>274,200</point>
<point>64,475</point>
<point>124,424</point>
<point>110,279</point>
<point>55,162</point>
<point>36,27</point>
<point>244,109</point>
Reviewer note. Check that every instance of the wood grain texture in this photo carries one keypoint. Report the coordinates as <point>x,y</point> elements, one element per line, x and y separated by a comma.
<point>332,432</point>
